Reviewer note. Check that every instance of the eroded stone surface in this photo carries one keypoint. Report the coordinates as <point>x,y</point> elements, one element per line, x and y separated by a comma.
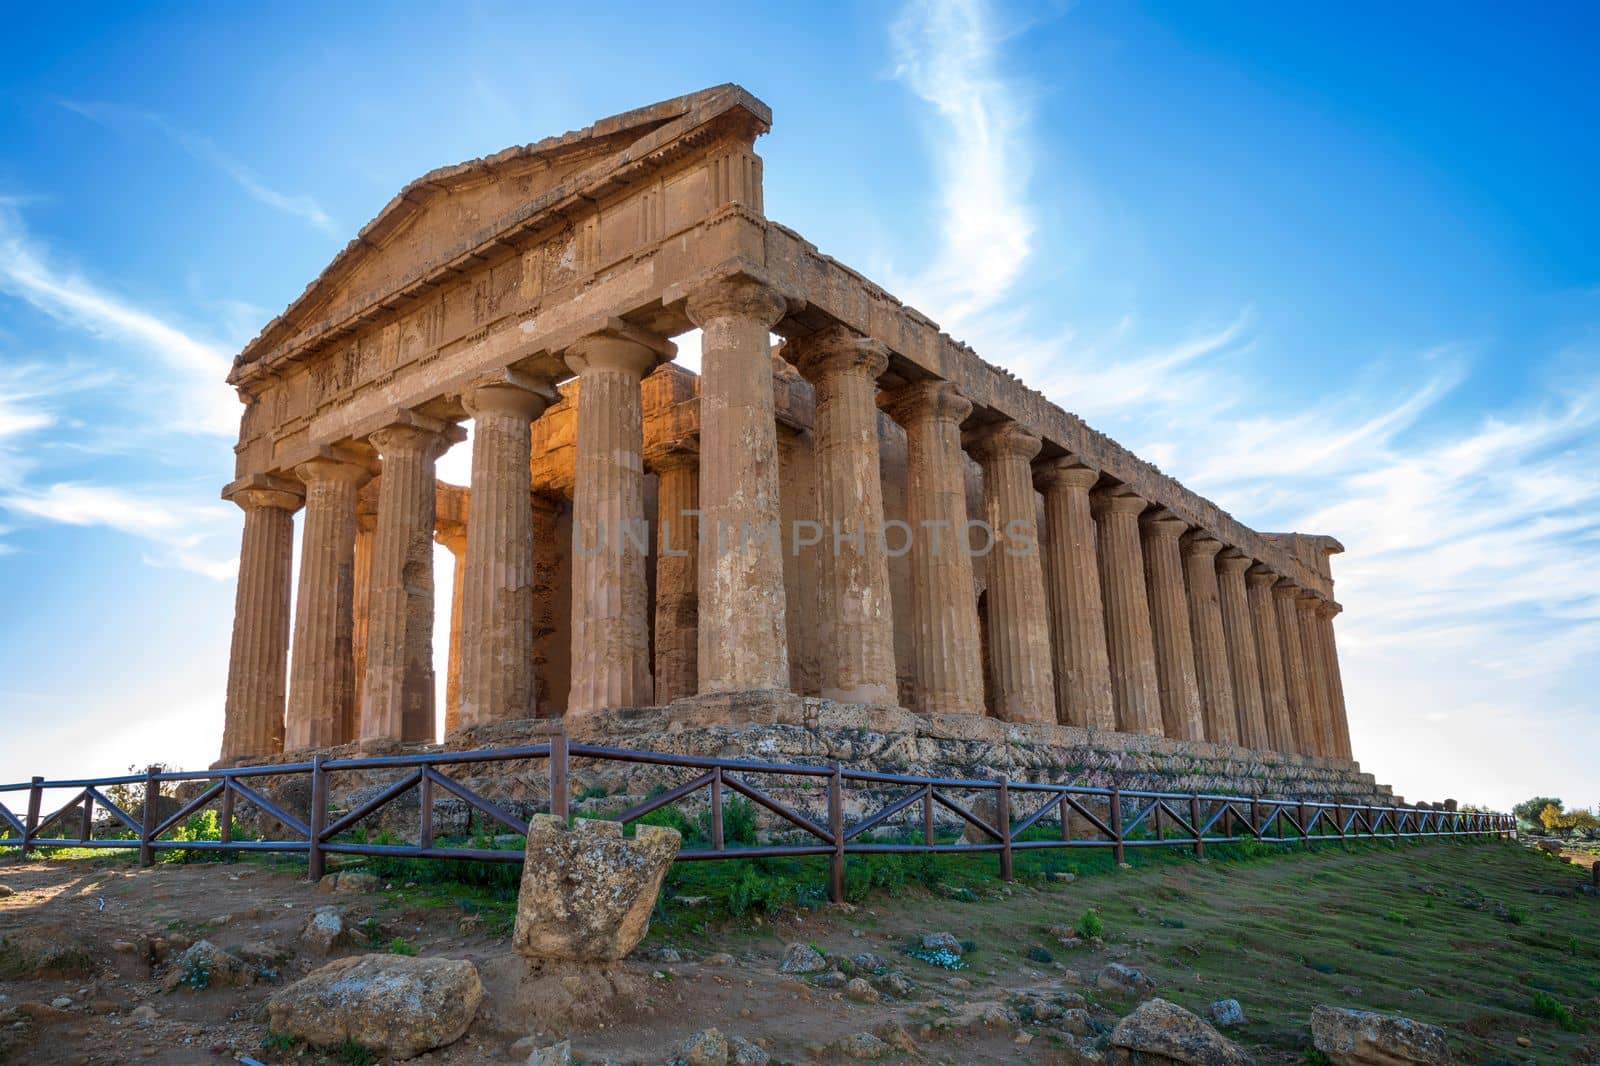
<point>1367,1038</point>
<point>1158,1032</point>
<point>396,1007</point>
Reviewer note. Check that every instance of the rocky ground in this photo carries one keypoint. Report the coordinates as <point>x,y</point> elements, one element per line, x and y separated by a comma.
<point>103,962</point>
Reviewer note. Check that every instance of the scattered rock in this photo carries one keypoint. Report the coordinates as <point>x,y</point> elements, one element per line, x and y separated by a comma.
<point>747,1054</point>
<point>587,891</point>
<point>720,959</point>
<point>553,1055</point>
<point>864,1046</point>
<point>394,1006</point>
<point>1226,1012</point>
<point>895,984</point>
<point>802,958</point>
<point>960,983</point>
<point>6,890</point>
<point>667,955</point>
<point>325,930</point>
<point>144,1014</point>
<point>203,965</point>
<point>1366,1038</point>
<point>941,942</point>
<point>1124,980</point>
<point>1158,1032</point>
<point>858,989</point>
<point>870,963</point>
<point>349,881</point>
<point>830,979</point>
<point>61,1002</point>
<point>1066,878</point>
<point>708,1047</point>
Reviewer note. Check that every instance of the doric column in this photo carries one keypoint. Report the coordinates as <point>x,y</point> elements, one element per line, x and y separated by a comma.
<point>610,594</point>
<point>1072,580</point>
<point>322,675</point>
<point>258,661</point>
<point>1260,582</point>
<point>454,539</point>
<point>1326,612</point>
<point>397,700</point>
<point>857,622</point>
<point>946,655</point>
<point>366,528</point>
<point>549,641</point>
<point>1019,623</point>
<point>495,571</point>
<point>1244,666</point>
<point>677,468</point>
<point>1296,678</point>
<point>1320,704</point>
<point>1210,646</point>
<point>1130,644</point>
<point>1169,622</point>
<point>743,633</point>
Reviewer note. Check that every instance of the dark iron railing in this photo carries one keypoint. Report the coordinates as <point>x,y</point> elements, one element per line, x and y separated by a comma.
<point>1112,818</point>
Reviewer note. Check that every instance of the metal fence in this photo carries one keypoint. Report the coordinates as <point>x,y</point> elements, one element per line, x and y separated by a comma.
<point>1024,815</point>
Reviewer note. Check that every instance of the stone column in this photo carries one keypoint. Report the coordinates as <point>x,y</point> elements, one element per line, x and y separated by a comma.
<point>743,633</point>
<point>549,614</point>
<point>1296,679</point>
<point>1210,645</point>
<point>494,573</point>
<point>1330,651</point>
<point>322,676</point>
<point>1130,644</point>
<point>397,696</point>
<point>946,651</point>
<point>610,595</point>
<point>454,539</point>
<point>366,528</point>
<point>1169,621</point>
<point>677,470</point>
<point>1316,673</point>
<point>259,659</point>
<point>857,618</point>
<point>1019,623</point>
<point>1072,579</point>
<point>1260,582</point>
<point>1244,666</point>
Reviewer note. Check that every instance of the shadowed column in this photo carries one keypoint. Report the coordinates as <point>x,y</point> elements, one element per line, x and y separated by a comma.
<point>1210,646</point>
<point>454,540</point>
<point>610,594</point>
<point>1316,673</point>
<point>1260,582</point>
<point>1072,577</point>
<point>258,661</point>
<point>1326,613</point>
<point>677,470</point>
<point>1243,663</point>
<point>1296,679</point>
<point>494,588</point>
<point>398,694</point>
<point>743,633</point>
<point>366,528</point>
<point>857,622</point>
<point>548,614</point>
<point>1019,624</point>
<point>1130,645</point>
<point>322,676</point>
<point>946,653</point>
<point>1169,622</point>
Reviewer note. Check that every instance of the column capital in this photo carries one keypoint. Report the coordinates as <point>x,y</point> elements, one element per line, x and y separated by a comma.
<point>619,346</point>
<point>1199,542</point>
<point>255,491</point>
<point>333,467</point>
<point>509,392</point>
<point>1163,523</point>
<point>1307,600</point>
<point>938,400</point>
<point>1118,499</point>
<point>1329,609</point>
<point>837,349</point>
<point>1260,576</point>
<point>736,296</point>
<point>672,455</point>
<point>1287,590</point>
<point>1003,440</point>
<point>1064,472</point>
<point>1233,561</point>
<point>451,535</point>
<point>411,432</point>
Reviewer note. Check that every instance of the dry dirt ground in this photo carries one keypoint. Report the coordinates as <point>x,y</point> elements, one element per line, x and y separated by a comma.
<point>1461,935</point>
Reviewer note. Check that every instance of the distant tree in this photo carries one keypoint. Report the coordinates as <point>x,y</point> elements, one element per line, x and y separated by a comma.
<point>1554,820</point>
<point>1582,821</point>
<point>1528,811</point>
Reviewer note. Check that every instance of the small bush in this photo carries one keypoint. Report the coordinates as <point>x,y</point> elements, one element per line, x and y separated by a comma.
<point>196,974</point>
<point>1040,955</point>
<point>1552,1009</point>
<point>1090,925</point>
<point>401,946</point>
<point>353,1053</point>
<point>1397,918</point>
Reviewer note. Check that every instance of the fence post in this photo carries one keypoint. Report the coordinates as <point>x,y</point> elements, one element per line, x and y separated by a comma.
<point>147,834</point>
<point>1199,833</point>
<point>30,827</point>
<point>927,816</point>
<point>836,830</point>
<point>1066,818</point>
<point>1003,816</point>
<point>225,830</point>
<point>716,809</point>
<point>1305,829</point>
<point>87,832</point>
<point>316,861</point>
<point>1594,874</point>
<point>425,810</point>
<point>1118,848</point>
<point>1338,818</point>
<point>559,798</point>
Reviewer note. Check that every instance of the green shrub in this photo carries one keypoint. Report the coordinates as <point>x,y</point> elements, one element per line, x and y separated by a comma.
<point>1552,1009</point>
<point>1090,925</point>
<point>401,946</point>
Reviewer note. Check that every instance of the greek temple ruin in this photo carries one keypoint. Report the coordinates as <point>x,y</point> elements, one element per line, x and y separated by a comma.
<point>865,513</point>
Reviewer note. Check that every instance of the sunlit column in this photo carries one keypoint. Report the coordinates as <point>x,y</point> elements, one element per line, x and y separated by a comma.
<point>1130,644</point>
<point>1244,664</point>
<point>1077,616</point>
<point>1169,621</point>
<point>1210,645</point>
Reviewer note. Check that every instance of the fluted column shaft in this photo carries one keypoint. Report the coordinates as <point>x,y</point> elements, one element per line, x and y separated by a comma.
<point>1019,623</point>
<point>1244,666</point>
<point>455,541</point>
<point>1072,580</point>
<point>946,650</point>
<point>857,623</point>
<point>1316,673</point>
<point>1330,650</point>
<point>1210,646</point>
<point>1296,677</point>
<point>495,571</point>
<point>610,595</point>
<point>259,658</point>
<point>398,693</point>
<point>548,615</point>
<point>677,469</point>
<point>1130,643</point>
<point>322,676</point>
<point>1260,583</point>
<point>1169,621</point>
<point>743,632</point>
<point>366,530</point>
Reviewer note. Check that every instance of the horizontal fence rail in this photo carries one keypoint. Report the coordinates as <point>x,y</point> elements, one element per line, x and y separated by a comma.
<point>1010,816</point>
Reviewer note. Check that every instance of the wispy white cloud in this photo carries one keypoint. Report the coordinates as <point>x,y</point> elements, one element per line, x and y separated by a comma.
<point>207,151</point>
<point>179,525</point>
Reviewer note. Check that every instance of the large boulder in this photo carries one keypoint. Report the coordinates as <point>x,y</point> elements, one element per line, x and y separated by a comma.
<point>587,891</point>
<point>394,1006</point>
<point>1159,1032</point>
<point>1366,1038</point>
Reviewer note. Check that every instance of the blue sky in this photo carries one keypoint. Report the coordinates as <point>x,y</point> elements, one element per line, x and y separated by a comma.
<point>1339,269</point>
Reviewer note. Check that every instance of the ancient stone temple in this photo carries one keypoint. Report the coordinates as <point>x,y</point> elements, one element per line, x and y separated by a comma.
<point>845,513</point>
